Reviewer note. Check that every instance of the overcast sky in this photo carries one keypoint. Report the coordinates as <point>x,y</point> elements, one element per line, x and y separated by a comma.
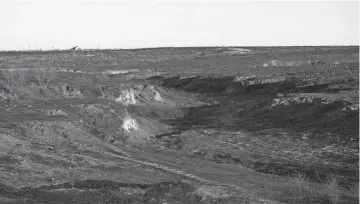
<point>124,24</point>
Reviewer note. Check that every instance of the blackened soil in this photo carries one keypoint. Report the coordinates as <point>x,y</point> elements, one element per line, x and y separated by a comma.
<point>249,108</point>
<point>103,191</point>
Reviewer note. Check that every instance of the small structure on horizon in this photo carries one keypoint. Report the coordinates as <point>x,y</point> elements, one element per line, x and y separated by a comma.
<point>75,48</point>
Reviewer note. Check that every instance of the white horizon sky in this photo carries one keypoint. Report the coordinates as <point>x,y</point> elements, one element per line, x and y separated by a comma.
<point>47,24</point>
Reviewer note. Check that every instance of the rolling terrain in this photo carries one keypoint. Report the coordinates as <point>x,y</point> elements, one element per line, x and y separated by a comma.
<point>180,125</point>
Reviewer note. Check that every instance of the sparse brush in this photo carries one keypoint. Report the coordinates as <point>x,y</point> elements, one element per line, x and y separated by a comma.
<point>331,190</point>
<point>301,188</point>
<point>4,88</point>
<point>108,124</point>
<point>24,77</point>
<point>12,78</point>
<point>299,178</point>
<point>36,77</point>
<point>8,81</point>
<point>54,142</point>
<point>41,78</point>
<point>354,190</point>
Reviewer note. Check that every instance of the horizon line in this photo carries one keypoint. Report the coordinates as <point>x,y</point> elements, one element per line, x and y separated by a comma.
<point>164,47</point>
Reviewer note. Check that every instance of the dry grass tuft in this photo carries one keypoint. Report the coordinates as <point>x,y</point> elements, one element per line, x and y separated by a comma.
<point>304,191</point>
<point>301,188</point>
<point>355,191</point>
<point>331,190</point>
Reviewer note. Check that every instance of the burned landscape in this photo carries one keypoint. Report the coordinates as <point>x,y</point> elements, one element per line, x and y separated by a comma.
<point>180,125</point>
